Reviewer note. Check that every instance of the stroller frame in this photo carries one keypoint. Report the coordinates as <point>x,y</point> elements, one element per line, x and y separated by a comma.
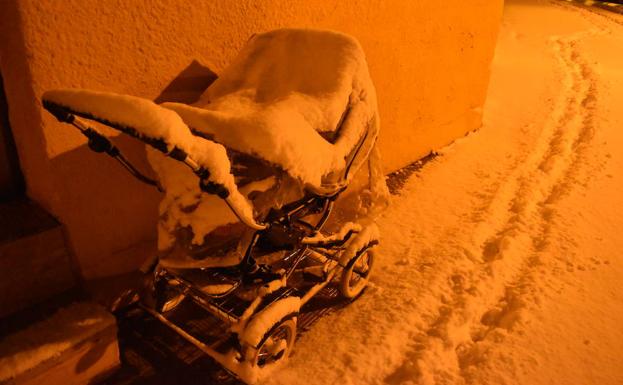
<point>261,328</point>
<point>235,314</point>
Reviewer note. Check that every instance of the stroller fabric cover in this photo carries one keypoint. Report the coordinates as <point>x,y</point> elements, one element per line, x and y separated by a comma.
<point>283,120</point>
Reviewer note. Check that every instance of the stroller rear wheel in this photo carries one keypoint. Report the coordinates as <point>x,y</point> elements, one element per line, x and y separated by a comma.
<point>356,274</point>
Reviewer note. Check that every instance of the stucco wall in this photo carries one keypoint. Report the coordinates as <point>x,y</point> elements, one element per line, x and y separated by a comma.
<point>429,60</point>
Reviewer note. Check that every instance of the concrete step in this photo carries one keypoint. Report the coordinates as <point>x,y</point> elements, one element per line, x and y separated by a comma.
<point>76,345</point>
<point>34,261</point>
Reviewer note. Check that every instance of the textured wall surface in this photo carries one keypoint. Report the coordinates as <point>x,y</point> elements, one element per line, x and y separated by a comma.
<point>429,60</point>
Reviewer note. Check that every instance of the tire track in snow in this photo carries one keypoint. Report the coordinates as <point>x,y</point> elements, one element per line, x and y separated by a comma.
<point>510,256</point>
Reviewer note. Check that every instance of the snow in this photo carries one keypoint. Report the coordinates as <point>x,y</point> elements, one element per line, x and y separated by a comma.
<point>281,92</point>
<point>48,339</point>
<point>500,261</point>
<point>273,286</point>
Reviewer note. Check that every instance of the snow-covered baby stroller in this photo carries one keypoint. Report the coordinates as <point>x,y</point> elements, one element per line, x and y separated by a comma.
<point>282,139</point>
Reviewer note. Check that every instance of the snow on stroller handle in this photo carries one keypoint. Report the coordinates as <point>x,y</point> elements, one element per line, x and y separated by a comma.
<point>162,129</point>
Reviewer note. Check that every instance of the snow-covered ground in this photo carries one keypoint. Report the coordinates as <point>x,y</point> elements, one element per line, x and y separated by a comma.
<point>500,261</point>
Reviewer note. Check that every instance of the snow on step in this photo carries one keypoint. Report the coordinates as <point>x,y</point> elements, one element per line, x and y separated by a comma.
<point>75,345</point>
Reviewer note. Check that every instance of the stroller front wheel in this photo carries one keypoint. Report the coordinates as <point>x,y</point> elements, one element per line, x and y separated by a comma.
<point>356,274</point>
<point>278,344</point>
<point>269,336</point>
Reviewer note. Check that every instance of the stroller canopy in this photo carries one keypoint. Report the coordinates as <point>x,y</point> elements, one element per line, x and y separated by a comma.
<point>299,99</point>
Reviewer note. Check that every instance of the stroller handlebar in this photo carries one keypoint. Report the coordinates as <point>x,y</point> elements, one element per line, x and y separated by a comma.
<point>99,143</point>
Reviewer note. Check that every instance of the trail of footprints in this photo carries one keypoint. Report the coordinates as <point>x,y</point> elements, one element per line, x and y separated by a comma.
<point>493,293</point>
<point>521,245</point>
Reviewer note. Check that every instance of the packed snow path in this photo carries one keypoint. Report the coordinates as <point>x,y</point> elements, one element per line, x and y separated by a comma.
<point>501,259</point>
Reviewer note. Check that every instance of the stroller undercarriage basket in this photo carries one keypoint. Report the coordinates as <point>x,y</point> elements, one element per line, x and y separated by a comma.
<point>253,266</point>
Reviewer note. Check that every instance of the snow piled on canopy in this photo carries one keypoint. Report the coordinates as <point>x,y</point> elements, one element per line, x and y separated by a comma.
<point>284,89</point>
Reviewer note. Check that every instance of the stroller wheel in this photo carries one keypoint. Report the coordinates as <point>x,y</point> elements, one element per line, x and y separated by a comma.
<point>276,344</point>
<point>266,341</point>
<point>356,274</point>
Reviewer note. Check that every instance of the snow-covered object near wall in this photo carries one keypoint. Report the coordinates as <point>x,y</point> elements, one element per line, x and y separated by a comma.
<point>303,102</point>
<point>294,114</point>
<point>160,127</point>
<point>285,138</point>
